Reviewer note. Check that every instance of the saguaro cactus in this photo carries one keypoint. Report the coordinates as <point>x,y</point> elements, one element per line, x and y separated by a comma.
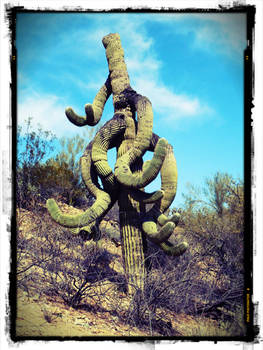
<point>130,131</point>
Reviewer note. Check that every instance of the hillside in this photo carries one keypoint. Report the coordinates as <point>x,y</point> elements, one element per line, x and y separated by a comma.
<point>71,287</point>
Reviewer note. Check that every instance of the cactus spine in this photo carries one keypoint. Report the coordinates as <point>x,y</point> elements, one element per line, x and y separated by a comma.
<point>130,131</point>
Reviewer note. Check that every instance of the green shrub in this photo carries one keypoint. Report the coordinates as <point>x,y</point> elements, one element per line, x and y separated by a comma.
<point>41,174</point>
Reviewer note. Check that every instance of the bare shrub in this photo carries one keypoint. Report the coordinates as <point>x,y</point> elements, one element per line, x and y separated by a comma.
<point>52,261</point>
<point>212,222</point>
<point>206,282</point>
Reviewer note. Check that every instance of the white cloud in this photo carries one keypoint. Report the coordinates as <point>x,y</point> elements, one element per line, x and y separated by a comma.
<point>169,105</point>
<point>48,111</point>
<point>148,65</point>
<point>223,32</point>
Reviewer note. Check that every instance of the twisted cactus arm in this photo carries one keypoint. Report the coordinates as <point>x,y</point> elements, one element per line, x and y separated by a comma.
<point>97,149</point>
<point>149,172</point>
<point>93,111</point>
<point>106,138</point>
<point>99,207</point>
<point>168,180</point>
<point>143,136</point>
<point>141,143</point>
<point>150,228</point>
<point>88,172</point>
<point>90,179</point>
<point>156,214</point>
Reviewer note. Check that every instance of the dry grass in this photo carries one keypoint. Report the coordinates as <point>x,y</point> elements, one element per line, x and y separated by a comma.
<point>53,266</point>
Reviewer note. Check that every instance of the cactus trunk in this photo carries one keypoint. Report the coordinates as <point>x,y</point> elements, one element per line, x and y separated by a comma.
<point>133,246</point>
<point>133,242</point>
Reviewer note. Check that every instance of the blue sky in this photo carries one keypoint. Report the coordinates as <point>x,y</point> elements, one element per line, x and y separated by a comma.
<point>189,65</point>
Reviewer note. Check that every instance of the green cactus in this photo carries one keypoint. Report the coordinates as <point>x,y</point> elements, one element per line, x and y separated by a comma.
<point>130,132</point>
